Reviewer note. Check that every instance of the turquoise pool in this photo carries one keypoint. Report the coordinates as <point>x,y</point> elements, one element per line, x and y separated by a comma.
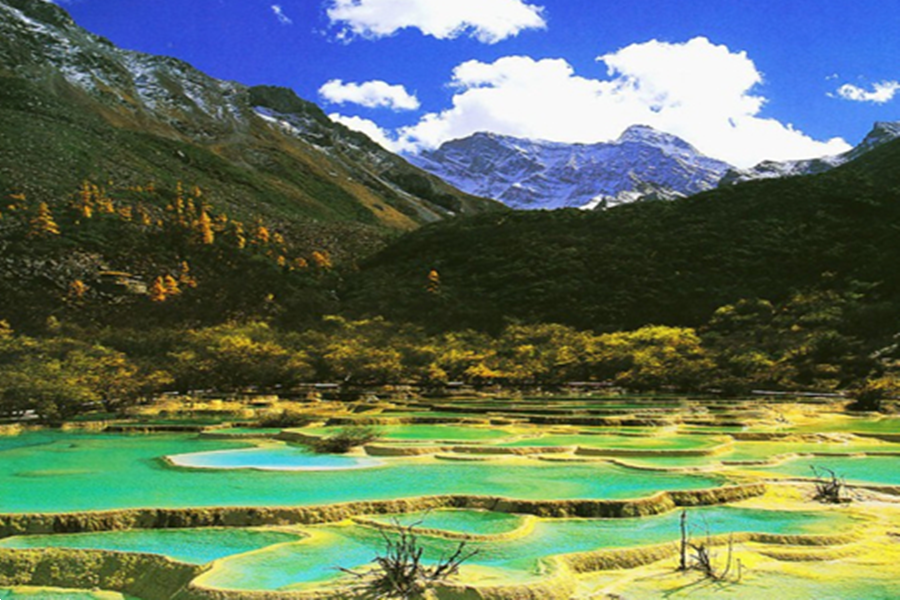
<point>318,558</point>
<point>60,471</point>
<point>197,546</point>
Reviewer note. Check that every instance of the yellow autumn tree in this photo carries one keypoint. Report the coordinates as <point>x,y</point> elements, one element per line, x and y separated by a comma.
<point>176,206</point>
<point>321,259</point>
<point>171,284</point>
<point>103,202</point>
<point>42,224</point>
<point>261,235</point>
<point>158,290</point>
<point>434,282</point>
<point>143,215</point>
<point>236,235</point>
<point>125,212</point>
<point>84,202</point>
<point>204,229</point>
<point>185,278</point>
<point>77,289</point>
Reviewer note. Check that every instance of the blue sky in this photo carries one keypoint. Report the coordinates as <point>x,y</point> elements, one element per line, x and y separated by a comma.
<point>743,81</point>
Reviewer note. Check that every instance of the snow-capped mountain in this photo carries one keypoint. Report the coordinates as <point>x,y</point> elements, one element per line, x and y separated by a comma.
<point>532,174</point>
<point>881,133</point>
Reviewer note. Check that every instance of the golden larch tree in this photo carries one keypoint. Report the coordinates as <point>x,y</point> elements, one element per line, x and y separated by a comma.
<point>84,203</point>
<point>185,278</point>
<point>171,284</point>
<point>321,259</point>
<point>77,289</point>
<point>236,235</point>
<point>158,290</point>
<point>125,212</point>
<point>42,224</point>
<point>262,235</point>
<point>204,228</point>
<point>434,282</point>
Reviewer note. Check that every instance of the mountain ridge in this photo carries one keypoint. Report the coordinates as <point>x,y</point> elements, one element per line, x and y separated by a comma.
<point>881,133</point>
<point>535,174</point>
<point>100,112</point>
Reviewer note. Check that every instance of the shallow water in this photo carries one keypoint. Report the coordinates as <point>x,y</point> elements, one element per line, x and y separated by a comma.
<point>273,457</point>
<point>51,471</point>
<point>767,451</point>
<point>762,584</point>
<point>622,442</point>
<point>197,546</point>
<point>880,470</point>
<point>477,522</point>
<point>317,559</point>
<point>888,425</point>
<point>58,471</point>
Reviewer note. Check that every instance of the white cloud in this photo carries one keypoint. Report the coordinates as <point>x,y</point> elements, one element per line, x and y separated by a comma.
<point>488,21</point>
<point>882,92</point>
<point>697,90</point>
<point>371,94</point>
<point>376,133</point>
<point>279,14</point>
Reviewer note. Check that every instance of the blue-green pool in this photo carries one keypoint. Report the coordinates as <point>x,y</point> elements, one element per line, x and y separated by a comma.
<point>317,559</point>
<point>60,471</point>
<point>196,546</point>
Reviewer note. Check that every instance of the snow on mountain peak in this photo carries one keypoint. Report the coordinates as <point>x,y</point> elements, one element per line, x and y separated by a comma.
<point>882,132</point>
<point>542,174</point>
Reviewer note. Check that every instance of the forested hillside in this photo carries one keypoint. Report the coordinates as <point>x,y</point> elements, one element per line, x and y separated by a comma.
<point>654,262</point>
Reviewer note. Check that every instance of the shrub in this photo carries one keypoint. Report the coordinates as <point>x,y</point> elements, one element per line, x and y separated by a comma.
<point>830,488</point>
<point>399,573</point>
<point>702,559</point>
<point>871,394</point>
<point>284,418</point>
<point>346,439</point>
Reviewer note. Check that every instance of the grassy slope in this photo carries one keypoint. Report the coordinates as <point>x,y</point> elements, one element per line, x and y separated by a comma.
<point>49,143</point>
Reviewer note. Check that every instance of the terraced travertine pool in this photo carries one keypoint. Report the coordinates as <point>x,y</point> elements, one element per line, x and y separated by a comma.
<point>292,566</point>
<point>271,457</point>
<point>57,472</point>
<point>474,522</point>
<point>459,433</point>
<point>67,472</point>
<point>274,560</point>
<point>877,470</point>
<point>621,442</point>
<point>196,546</point>
<point>22,593</point>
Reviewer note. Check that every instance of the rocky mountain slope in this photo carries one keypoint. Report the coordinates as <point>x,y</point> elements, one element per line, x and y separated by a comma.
<point>881,133</point>
<point>75,107</point>
<point>531,174</point>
